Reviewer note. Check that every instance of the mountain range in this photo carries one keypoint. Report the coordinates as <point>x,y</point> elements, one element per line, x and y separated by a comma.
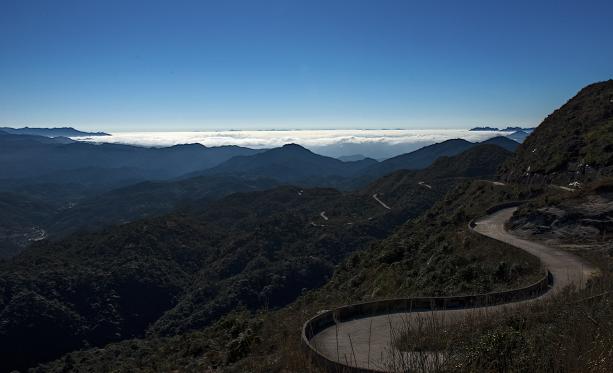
<point>425,156</point>
<point>28,156</point>
<point>50,132</point>
<point>507,129</point>
<point>105,184</point>
<point>174,273</point>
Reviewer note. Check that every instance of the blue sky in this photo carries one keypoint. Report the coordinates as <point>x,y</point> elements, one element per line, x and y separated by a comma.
<point>189,65</point>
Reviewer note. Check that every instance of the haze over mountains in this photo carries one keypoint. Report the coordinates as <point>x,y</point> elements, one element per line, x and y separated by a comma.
<point>47,158</point>
<point>27,156</point>
<point>52,186</point>
<point>378,144</point>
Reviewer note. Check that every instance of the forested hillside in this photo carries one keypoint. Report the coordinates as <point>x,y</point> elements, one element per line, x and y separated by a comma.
<point>181,272</point>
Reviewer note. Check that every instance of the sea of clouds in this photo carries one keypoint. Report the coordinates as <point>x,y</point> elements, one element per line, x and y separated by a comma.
<point>378,144</point>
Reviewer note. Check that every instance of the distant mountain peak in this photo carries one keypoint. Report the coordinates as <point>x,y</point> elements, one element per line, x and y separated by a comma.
<point>188,146</point>
<point>292,149</point>
<point>485,128</point>
<point>504,142</point>
<point>295,147</point>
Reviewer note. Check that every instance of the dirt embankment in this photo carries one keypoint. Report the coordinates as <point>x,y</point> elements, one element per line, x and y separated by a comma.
<point>581,223</point>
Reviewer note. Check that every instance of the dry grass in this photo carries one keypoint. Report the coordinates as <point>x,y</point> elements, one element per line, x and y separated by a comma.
<point>571,332</point>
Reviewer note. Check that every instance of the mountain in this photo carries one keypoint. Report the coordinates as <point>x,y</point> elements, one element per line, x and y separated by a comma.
<point>24,139</point>
<point>507,129</point>
<point>515,129</point>
<point>411,187</point>
<point>100,197</point>
<point>519,136</point>
<point>502,141</point>
<point>484,129</point>
<point>480,161</point>
<point>50,132</point>
<point>574,143</point>
<point>418,159</point>
<point>27,156</point>
<point>290,163</point>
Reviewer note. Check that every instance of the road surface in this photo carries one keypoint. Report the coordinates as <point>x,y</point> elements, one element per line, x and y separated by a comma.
<point>380,202</point>
<point>566,189</point>
<point>367,342</point>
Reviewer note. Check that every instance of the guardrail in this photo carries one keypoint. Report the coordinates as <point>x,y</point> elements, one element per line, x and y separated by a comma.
<point>329,318</point>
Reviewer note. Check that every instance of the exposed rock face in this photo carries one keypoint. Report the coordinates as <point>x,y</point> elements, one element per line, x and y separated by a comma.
<point>574,143</point>
<point>584,220</point>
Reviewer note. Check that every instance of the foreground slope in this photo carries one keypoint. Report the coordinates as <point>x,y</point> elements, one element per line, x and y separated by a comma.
<point>369,342</point>
<point>564,158</point>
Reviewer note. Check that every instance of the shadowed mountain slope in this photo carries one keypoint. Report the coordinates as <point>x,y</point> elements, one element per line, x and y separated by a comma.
<point>420,158</point>
<point>504,142</point>
<point>148,199</point>
<point>24,156</point>
<point>425,157</point>
<point>50,132</point>
<point>290,163</point>
<point>575,142</point>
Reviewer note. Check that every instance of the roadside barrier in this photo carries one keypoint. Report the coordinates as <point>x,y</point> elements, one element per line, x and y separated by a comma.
<point>329,318</point>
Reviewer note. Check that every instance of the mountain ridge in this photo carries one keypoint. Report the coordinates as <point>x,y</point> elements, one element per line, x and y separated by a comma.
<point>289,163</point>
<point>51,132</point>
<point>574,143</point>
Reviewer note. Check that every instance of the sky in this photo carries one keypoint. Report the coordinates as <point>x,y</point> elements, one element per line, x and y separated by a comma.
<point>214,65</point>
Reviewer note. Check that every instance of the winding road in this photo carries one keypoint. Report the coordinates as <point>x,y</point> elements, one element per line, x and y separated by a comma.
<point>376,197</point>
<point>422,183</point>
<point>367,342</point>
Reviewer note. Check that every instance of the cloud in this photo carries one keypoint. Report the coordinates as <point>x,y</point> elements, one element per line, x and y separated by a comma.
<point>372,143</point>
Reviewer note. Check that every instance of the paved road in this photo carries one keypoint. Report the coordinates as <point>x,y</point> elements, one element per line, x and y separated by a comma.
<point>566,189</point>
<point>366,342</point>
<point>376,197</point>
<point>425,185</point>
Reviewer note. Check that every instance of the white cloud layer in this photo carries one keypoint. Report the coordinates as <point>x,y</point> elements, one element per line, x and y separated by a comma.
<point>372,143</point>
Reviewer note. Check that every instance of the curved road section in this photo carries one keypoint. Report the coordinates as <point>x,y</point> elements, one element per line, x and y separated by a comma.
<point>365,344</point>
